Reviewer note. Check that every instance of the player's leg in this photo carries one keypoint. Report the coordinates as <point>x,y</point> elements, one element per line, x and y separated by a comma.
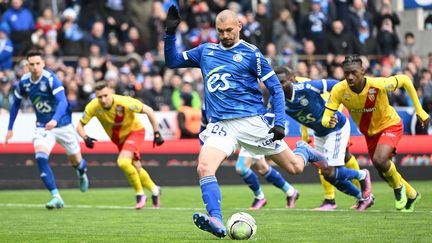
<point>333,146</point>
<point>273,176</point>
<point>68,139</point>
<point>352,163</point>
<point>124,162</point>
<point>329,202</point>
<point>243,165</point>
<point>219,142</point>
<point>381,148</point>
<point>43,143</point>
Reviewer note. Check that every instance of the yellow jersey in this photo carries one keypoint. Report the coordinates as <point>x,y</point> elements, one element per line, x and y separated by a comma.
<point>370,109</point>
<point>119,120</point>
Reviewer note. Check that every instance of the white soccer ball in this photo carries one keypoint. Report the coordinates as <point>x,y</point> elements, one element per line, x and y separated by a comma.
<point>241,226</point>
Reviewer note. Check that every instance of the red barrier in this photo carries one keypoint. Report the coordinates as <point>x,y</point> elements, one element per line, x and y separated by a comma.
<point>421,144</point>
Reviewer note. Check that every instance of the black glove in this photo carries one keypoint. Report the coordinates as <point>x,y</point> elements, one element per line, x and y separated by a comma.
<point>172,20</point>
<point>157,140</point>
<point>278,131</point>
<point>89,141</point>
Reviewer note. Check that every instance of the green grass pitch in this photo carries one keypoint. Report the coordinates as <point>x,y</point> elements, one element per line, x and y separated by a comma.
<point>107,215</point>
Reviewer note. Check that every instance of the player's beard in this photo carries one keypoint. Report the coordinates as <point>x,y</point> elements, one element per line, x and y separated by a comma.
<point>227,43</point>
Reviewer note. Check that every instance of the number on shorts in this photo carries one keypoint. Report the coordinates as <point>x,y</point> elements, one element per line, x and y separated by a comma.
<point>219,130</point>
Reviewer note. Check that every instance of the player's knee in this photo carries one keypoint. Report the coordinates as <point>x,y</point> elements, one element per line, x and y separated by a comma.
<point>380,161</point>
<point>123,163</point>
<point>204,170</point>
<point>241,167</point>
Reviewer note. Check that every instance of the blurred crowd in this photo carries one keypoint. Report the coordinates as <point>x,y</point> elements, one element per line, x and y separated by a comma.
<point>122,42</point>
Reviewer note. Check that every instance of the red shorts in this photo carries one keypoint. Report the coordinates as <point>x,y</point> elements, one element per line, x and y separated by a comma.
<point>390,136</point>
<point>133,143</point>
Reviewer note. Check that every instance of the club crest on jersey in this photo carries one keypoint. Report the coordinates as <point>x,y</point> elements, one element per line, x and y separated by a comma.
<point>371,94</point>
<point>237,57</point>
<point>43,87</point>
<point>304,102</point>
<point>119,110</point>
<point>346,96</point>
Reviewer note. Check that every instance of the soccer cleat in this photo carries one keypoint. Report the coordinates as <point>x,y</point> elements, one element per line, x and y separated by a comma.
<point>411,203</point>
<point>55,203</point>
<point>258,203</point>
<point>356,205</point>
<point>400,197</point>
<point>366,203</point>
<point>327,205</point>
<point>366,185</point>
<point>140,201</point>
<point>210,224</point>
<point>310,154</point>
<point>83,182</point>
<point>292,200</point>
<point>156,199</point>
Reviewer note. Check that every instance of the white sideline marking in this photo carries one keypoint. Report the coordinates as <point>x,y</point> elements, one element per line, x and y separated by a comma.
<point>21,205</point>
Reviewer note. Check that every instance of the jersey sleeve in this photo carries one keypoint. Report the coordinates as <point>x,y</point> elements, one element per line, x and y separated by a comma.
<point>89,112</point>
<point>175,59</point>
<point>334,99</point>
<point>134,105</point>
<point>321,86</point>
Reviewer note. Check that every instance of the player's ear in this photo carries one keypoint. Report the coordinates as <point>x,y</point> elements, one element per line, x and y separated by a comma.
<point>240,26</point>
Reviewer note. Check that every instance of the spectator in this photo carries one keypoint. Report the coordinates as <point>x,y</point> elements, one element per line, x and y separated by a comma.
<point>315,26</point>
<point>21,24</point>
<point>203,33</point>
<point>252,31</point>
<point>408,48</point>
<point>185,91</point>
<point>157,25</point>
<point>263,17</point>
<point>367,42</point>
<point>159,96</point>
<point>6,93</point>
<point>6,49</point>
<point>387,38</point>
<point>97,37</point>
<point>386,12</point>
<point>48,23</point>
<point>188,118</point>
<point>357,14</point>
<point>338,42</point>
<point>285,31</point>
<point>71,37</point>
<point>114,46</point>
<point>116,15</point>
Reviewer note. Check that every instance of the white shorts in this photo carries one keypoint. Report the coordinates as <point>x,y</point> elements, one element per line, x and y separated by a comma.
<point>66,136</point>
<point>248,132</point>
<point>334,145</point>
<point>244,153</point>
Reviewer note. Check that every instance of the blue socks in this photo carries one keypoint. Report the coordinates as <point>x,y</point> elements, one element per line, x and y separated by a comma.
<point>251,179</point>
<point>342,181</point>
<point>46,173</point>
<point>273,176</point>
<point>82,167</point>
<point>211,196</point>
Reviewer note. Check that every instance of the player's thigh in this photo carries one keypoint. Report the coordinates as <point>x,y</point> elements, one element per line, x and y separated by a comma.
<point>334,145</point>
<point>43,141</point>
<point>288,161</point>
<point>67,137</point>
<point>219,136</point>
<point>252,134</point>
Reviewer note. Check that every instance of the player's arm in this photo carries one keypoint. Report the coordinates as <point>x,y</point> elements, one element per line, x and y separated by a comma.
<point>13,113</point>
<point>87,116</point>
<point>404,81</point>
<point>304,133</point>
<point>157,140</point>
<point>173,58</point>
<point>62,104</point>
<point>329,120</point>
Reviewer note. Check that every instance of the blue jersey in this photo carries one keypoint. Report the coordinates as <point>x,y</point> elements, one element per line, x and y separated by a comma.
<point>45,94</point>
<point>231,79</point>
<point>307,106</point>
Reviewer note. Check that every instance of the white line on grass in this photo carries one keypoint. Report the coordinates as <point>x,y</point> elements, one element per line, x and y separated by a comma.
<point>21,205</point>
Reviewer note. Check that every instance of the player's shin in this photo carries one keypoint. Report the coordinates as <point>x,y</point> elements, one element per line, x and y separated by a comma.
<point>146,180</point>
<point>352,163</point>
<point>393,177</point>
<point>211,196</point>
<point>46,173</point>
<point>131,174</point>
<point>329,192</point>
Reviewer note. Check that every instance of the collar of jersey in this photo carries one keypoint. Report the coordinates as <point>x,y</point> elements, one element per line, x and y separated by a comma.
<point>37,81</point>
<point>229,48</point>
<point>292,96</point>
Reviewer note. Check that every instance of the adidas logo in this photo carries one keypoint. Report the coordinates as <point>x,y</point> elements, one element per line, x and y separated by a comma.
<point>43,174</point>
<point>210,53</point>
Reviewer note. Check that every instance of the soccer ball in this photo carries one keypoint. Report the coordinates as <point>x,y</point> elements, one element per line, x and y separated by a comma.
<point>241,226</point>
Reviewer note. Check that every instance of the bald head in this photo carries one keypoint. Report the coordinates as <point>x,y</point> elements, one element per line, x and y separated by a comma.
<point>228,28</point>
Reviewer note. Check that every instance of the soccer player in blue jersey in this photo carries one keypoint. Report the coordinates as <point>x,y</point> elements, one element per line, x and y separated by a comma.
<point>232,71</point>
<point>53,123</point>
<point>305,105</point>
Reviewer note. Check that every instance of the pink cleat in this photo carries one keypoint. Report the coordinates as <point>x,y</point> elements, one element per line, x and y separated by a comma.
<point>258,203</point>
<point>156,200</point>
<point>366,203</point>
<point>327,205</point>
<point>366,185</point>
<point>141,201</point>
<point>291,200</point>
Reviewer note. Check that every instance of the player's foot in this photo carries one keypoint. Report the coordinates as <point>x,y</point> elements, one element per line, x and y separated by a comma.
<point>258,203</point>
<point>366,203</point>
<point>411,203</point>
<point>55,203</point>
<point>366,185</point>
<point>400,197</point>
<point>210,224</point>
<point>327,205</point>
<point>310,154</point>
<point>291,200</point>
<point>156,199</point>
<point>356,204</point>
<point>140,201</point>
<point>83,182</point>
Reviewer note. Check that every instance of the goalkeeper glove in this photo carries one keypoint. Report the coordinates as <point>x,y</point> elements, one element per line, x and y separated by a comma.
<point>278,131</point>
<point>89,141</point>
<point>157,140</point>
<point>172,20</point>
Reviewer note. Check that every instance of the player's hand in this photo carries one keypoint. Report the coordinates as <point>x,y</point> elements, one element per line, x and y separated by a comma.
<point>425,123</point>
<point>278,131</point>
<point>89,141</point>
<point>333,121</point>
<point>9,135</point>
<point>172,20</point>
<point>157,140</point>
<point>50,125</point>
